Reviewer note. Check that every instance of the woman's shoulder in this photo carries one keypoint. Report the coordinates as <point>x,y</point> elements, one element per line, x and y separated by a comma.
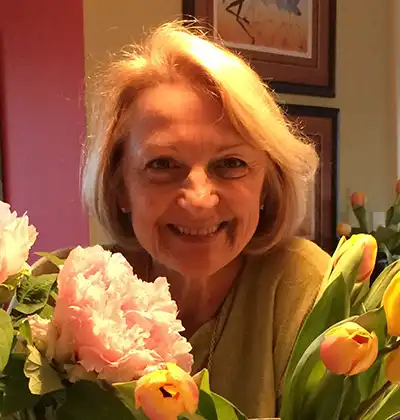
<point>295,260</point>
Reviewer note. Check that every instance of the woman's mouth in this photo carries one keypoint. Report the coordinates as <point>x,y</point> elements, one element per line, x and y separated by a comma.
<point>198,232</point>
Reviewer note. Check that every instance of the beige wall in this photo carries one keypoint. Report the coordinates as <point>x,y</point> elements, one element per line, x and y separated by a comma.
<point>109,27</point>
<point>365,83</point>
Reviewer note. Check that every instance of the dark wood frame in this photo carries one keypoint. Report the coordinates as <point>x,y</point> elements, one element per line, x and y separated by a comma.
<point>321,125</point>
<point>313,76</point>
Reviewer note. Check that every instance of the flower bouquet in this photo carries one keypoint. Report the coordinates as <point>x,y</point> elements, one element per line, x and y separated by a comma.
<point>345,363</point>
<point>92,341</point>
<point>387,235</point>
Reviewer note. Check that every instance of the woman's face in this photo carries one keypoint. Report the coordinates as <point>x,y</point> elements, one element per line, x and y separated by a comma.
<point>192,184</point>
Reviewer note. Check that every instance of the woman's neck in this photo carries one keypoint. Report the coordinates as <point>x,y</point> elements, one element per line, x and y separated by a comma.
<point>198,299</point>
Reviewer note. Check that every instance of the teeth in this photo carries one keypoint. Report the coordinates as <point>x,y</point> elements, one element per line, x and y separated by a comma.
<point>197,232</point>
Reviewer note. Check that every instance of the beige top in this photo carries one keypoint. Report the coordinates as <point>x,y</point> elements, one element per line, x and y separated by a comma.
<point>257,325</point>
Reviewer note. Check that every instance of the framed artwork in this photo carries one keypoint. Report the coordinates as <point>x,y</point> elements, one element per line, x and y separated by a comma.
<point>290,43</point>
<point>320,125</point>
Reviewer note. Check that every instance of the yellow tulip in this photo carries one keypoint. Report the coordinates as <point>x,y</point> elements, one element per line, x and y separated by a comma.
<point>166,393</point>
<point>349,349</point>
<point>392,367</point>
<point>391,304</point>
<point>370,247</point>
<point>344,229</point>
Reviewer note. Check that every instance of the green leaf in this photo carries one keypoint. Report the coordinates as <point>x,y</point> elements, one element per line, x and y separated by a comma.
<point>86,400</point>
<point>351,397</point>
<point>6,338</point>
<point>386,406</point>
<point>16,393</point>
<point>33,293</point>
<point>47,312</point>
<point>206,407</point>
<point>325,402</point>
<point>51,257</point>
<point>360,290</point>
<point>202,379</point>
<point>42,377</point>
<point>393,214</point>
<point>332,307</point>
<point>225,409</point>
<point>388,236</point>
<point>374,297</point>
<point>126,391</point>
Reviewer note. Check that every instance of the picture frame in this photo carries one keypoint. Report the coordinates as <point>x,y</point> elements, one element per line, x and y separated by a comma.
<point>292,47</point>
<point>320,125</point>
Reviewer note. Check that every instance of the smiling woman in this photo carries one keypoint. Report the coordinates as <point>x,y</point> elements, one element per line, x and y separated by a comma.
<point>198,177</point>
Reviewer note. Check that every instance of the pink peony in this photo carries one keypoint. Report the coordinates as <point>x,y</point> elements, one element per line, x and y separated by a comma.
<point>112,323</point>
<point>16,239</point>
<point>39,331</point>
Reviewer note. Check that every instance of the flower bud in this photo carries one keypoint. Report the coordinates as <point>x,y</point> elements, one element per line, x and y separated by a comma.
<point>349,349</point>
<point>344,229</point>
<point>358,199</point>
<point>166,393</point>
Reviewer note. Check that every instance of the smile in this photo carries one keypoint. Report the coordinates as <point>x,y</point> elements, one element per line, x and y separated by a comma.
<point>207,231</point>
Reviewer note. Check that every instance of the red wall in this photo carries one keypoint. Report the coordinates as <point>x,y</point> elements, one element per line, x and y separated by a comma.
<point>43,116</point>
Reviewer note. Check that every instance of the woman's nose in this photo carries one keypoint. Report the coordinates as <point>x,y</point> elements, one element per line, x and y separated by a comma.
<point>199,192</point>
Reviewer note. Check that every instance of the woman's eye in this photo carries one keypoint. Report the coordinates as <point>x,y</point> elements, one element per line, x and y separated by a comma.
<point>162,164</point>
<point>230,168</point>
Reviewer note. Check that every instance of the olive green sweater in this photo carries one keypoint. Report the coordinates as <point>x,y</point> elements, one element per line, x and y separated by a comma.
<point>256,328</point>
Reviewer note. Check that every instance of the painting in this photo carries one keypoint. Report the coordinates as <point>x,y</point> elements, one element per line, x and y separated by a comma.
<point>320,125</point>
<point>290,43</point>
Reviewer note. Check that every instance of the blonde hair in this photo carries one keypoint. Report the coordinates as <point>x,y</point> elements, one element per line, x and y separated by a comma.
<point>174,53</point>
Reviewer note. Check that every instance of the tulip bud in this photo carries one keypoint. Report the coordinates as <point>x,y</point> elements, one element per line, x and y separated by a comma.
<point>358,199</point>
<point>349,349</point>
<point>368,259</point>
<point>392,367</point>
<point>391,305</point>
<point>344,229</point>
<point>166,393</point>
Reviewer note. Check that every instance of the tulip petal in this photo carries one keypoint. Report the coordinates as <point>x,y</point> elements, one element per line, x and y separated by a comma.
<point>333,351</point>
<point>392,367</point>
<point>391,304</point>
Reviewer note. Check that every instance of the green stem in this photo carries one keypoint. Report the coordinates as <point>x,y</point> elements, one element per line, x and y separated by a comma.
<point>367,404</point>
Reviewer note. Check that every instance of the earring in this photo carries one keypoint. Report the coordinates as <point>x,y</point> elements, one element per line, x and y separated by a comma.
<point>262,207</point>
<point>124,210</point>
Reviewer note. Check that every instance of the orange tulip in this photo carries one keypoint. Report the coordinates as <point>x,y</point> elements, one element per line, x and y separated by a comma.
<point>358,199</point>
<point>166,393</point>
<point>349,349</point>
<point>368,258</point>
<point>344,229</point>
<point>391,305</point>
<point>392,367</point>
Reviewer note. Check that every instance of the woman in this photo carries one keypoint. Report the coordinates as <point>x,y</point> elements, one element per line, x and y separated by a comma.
<point>198,177</point>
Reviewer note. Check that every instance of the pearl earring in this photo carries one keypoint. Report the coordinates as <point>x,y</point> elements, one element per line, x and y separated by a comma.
<point>262,207</point>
